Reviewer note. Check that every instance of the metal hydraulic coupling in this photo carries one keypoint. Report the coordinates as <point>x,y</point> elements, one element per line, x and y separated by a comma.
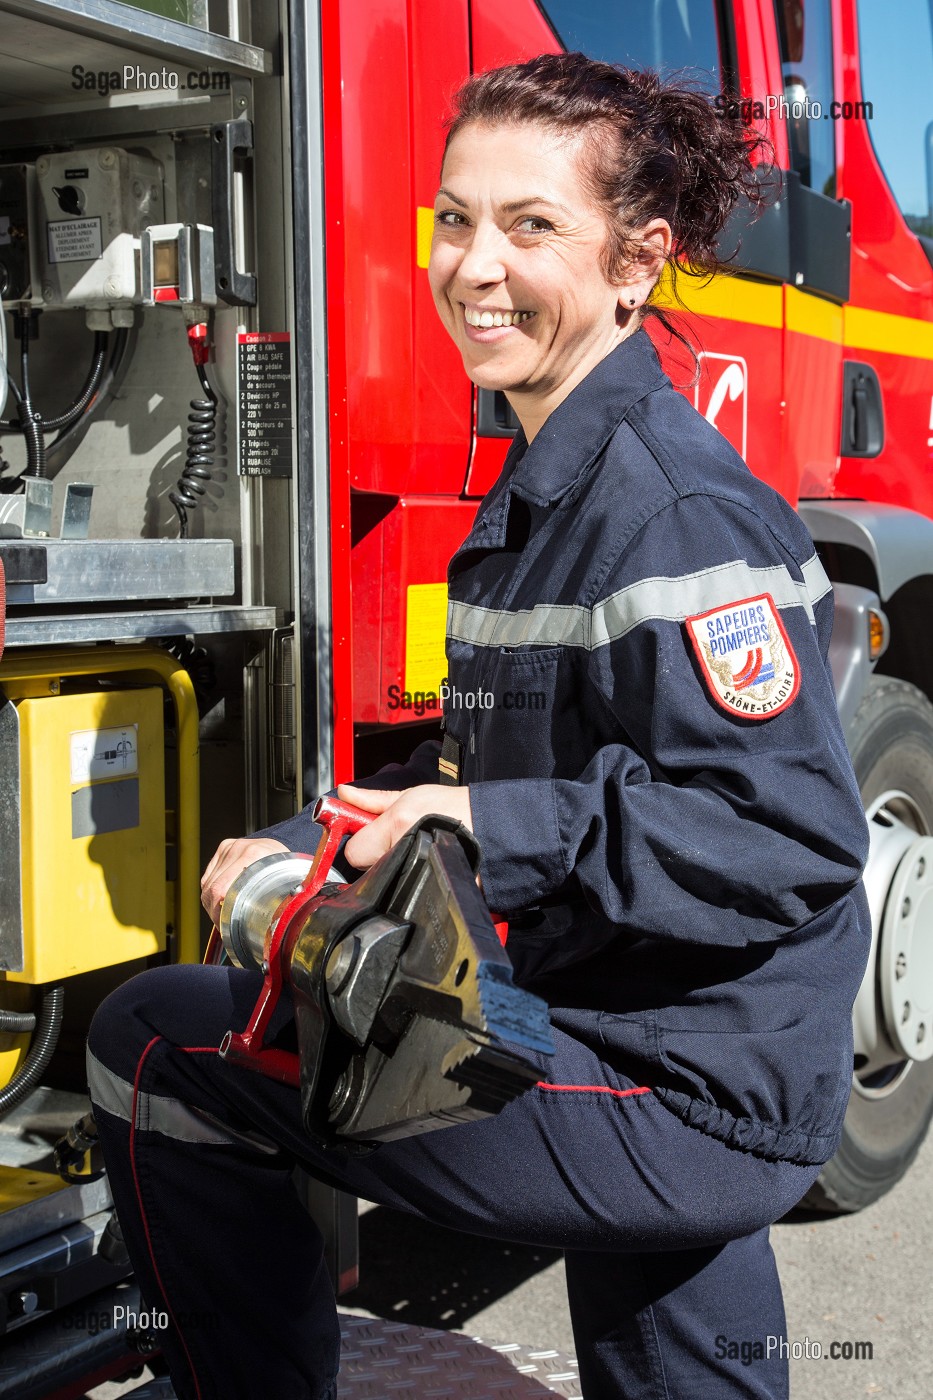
<point>405,1013</point>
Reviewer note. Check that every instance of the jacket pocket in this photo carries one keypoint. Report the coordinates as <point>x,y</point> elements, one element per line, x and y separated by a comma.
<point>518,724</point>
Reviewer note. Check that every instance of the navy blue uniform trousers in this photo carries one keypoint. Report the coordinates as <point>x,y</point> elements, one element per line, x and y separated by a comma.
<point>665,1228</point>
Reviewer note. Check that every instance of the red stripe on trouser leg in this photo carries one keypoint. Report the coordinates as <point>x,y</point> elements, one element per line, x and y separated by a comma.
<point>142,1213</point>
<point>594,1089</point>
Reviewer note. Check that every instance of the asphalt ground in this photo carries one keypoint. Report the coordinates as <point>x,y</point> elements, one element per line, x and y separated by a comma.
<point>848,1279</point>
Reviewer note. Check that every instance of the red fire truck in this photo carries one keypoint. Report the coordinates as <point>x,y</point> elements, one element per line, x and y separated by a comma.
<point>255,580</point>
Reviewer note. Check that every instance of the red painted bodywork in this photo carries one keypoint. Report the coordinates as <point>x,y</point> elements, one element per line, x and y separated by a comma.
<point>396,543</point>
<point>407,466</point>
<point>400,404</point>
<point>889,273</point>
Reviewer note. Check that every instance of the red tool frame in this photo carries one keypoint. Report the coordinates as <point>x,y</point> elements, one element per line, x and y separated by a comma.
<point>246,1048</point>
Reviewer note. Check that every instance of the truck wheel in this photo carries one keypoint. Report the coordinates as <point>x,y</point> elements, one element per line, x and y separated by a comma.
<point>891,1104</point>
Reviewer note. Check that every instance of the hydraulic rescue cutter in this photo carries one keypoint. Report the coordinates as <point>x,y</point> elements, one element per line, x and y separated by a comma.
<point>406,1016</point>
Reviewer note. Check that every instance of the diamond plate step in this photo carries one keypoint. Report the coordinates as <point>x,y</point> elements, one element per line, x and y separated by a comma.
<point>395,1361</point>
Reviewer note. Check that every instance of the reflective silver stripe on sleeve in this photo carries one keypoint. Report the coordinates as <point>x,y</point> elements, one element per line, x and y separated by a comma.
<point>650,599</point>
<point>154,1112</point>
<point>816,579</point>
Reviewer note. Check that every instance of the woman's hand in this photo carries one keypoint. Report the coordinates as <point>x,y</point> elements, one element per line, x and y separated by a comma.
<point>225,865</point>
<point>398,812</point>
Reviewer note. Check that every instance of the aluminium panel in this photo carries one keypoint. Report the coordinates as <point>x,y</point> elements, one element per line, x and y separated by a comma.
<point>47,1204</point>
<point>90,571</point>
<point>129,626</point>
<point>120,33</point>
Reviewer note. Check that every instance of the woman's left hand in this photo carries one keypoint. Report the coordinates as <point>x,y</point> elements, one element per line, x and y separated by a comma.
<point>398,812</point>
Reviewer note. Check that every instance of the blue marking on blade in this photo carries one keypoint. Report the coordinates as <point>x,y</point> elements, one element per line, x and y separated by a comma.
<point>511,1012</point>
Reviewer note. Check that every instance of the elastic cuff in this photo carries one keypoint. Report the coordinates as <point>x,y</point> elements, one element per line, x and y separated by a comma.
<point>515,822</point>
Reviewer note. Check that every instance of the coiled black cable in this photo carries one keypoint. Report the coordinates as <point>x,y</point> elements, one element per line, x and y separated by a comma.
<point>40,1052</point>
<point>199,456</point>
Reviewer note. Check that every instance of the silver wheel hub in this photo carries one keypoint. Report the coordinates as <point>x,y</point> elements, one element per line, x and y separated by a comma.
<point>905,970</point>
<point>893,1014</point>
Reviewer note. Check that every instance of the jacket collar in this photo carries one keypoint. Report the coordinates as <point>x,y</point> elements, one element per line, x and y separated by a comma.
<point>579,428</point>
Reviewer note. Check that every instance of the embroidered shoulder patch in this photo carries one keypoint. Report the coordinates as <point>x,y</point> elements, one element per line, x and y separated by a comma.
<point>746,657</point>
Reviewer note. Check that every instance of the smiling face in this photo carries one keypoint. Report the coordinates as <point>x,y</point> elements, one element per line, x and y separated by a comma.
<point>515,266</point>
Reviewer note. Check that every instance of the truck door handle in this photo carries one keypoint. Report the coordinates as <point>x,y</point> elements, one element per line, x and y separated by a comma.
<point>234,287</point>
<point>860,416</point>
<point>862,411</point>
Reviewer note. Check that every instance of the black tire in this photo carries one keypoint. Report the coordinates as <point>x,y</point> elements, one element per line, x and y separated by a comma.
<point>891,742</point>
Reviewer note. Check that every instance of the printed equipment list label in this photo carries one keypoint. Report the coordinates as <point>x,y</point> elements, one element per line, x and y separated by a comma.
<point>265,403</point>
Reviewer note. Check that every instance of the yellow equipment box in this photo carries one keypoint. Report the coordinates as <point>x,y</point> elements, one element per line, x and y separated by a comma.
<point>92,831</point>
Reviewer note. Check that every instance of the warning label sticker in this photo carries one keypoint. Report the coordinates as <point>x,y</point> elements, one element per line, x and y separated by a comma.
<point>104,753</point>
<point>265,402</point>
<point>74,240</point>
<point>425,632</point>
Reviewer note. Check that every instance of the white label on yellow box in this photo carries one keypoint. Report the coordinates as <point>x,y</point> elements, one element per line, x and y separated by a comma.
<point>104,753</point>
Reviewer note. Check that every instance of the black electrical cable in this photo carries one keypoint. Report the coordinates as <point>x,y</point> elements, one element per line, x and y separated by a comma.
<point>23,323</point>
<point>40,1052</point>
<point>35,446</point>
<point>17,1022</point>
<point>55,457</point>
<point>94,375</point>
<point>199,666</point>
<point>115,364</point>
<point>199,457</point>
<point>29,419</point>
<point>78,1155</point>
<point>79,404</point>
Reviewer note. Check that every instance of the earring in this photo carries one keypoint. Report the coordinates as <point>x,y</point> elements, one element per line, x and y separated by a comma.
<point>631,301</point>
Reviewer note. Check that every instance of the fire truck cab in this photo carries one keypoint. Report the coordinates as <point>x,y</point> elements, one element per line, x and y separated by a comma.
<point>238,449</point>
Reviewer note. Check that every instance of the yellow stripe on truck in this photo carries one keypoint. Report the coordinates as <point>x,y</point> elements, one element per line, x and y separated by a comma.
<point>811,315</point>
<point>892,335</point>
<point>424,232</point>
<point>727,298</point>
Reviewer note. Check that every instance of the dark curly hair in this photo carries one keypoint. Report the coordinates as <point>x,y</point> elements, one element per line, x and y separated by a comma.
<point>654,149</point>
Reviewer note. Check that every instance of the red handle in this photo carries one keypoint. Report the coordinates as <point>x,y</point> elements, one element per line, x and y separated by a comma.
<point>338,819</point>
<point>330,811</point>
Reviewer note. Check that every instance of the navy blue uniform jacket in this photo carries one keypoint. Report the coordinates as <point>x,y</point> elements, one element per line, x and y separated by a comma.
<point>637,640</point>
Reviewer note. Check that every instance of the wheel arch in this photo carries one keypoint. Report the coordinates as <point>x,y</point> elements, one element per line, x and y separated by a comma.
<point>881,556</point>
